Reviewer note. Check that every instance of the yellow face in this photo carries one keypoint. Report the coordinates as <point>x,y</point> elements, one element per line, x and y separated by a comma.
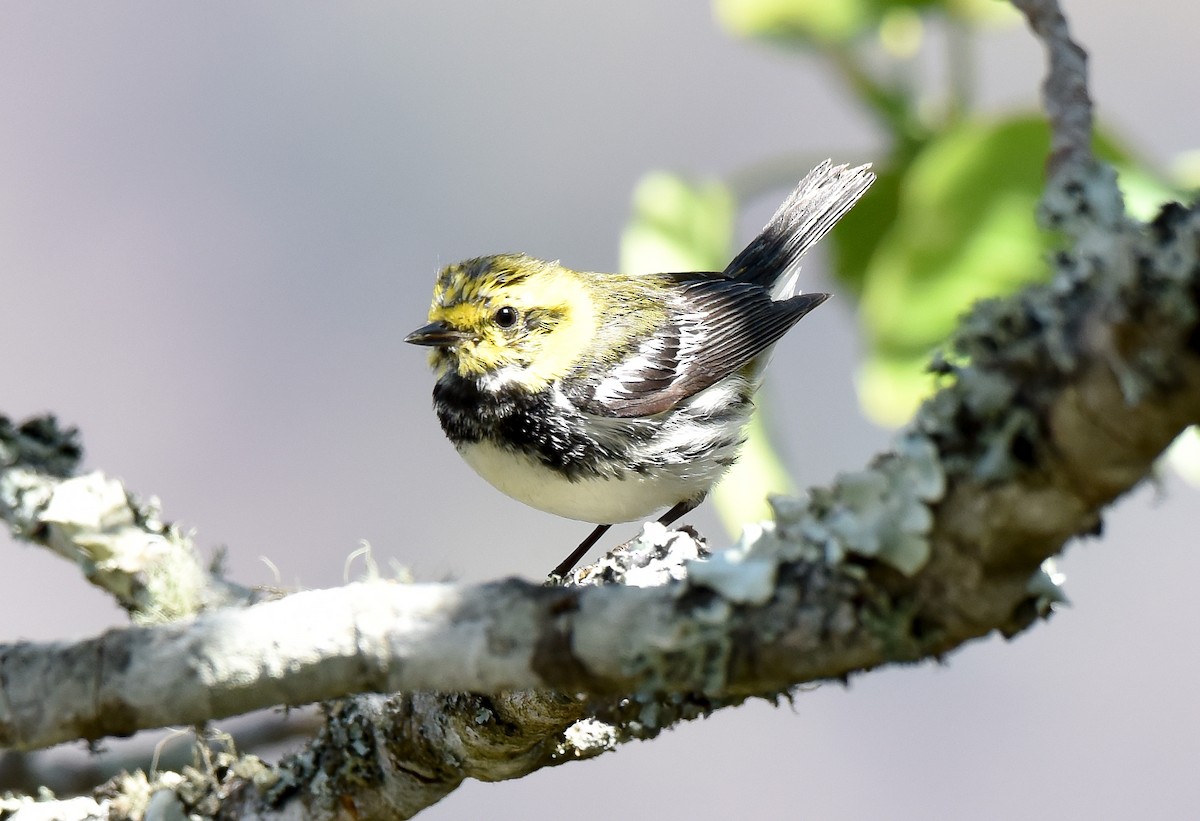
<point>512,313</point>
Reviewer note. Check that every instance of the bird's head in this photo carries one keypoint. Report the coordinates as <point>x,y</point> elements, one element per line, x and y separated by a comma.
<point>509,317</point>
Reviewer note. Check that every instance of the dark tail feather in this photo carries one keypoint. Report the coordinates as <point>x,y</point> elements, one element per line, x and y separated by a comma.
<point>818,202</point>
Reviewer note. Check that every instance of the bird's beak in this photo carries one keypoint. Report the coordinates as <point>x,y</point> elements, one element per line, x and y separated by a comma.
<point>436,334</point>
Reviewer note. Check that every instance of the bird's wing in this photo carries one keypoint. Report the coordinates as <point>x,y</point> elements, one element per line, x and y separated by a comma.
<point>714,327</point>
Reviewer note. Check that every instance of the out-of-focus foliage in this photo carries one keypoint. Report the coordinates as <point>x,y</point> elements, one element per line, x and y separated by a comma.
<point>832,22</point>
<point>678,226</point>
<point>962,228</point>
<point>949,220</point>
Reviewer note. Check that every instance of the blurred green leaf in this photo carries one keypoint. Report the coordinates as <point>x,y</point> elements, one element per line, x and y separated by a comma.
<point>901,32</point>
<point>963,230</point>
<point>983,12</point>
<point>678,226</point>
<point>857,234</point>
<point>1185,169</point>
<point>891,387</point>
<point>836,22</point>
<point>1145,192</point>
<point>819,21</point>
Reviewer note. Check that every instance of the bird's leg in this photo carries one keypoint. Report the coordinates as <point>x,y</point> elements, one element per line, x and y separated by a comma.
<point>666,520</point>
<point>678,511</point>
<point>568,564</point>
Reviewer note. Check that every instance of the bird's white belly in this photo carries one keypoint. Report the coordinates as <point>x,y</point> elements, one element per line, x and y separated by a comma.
<point>598,500</point>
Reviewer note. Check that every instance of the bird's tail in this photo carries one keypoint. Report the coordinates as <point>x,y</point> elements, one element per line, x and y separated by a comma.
<point>819,201</point>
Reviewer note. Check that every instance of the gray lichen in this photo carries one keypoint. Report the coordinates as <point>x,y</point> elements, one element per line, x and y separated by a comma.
<point>653,558</point>
<point>586,738</point>
<point>745,573</point>
<point>882,512</point>
<point>1047,586</point>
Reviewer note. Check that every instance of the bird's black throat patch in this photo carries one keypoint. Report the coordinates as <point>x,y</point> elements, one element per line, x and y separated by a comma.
<point>521,421</point>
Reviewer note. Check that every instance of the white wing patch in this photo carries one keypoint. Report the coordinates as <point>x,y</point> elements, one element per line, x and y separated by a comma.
<point>656,360</point>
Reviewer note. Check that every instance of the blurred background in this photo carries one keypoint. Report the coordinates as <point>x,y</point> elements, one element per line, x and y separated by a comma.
<point>219,220</point>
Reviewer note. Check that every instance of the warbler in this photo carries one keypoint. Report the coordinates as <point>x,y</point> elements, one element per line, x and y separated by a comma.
<point>608,397</point>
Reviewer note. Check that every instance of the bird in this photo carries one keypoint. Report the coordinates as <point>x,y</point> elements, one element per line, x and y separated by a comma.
<point>607,397</point>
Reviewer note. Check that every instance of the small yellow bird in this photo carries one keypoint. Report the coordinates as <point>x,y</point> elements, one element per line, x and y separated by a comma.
<point>608,397</point>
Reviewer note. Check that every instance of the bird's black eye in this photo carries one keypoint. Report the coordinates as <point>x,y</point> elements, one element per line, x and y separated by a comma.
<point>506,317</point>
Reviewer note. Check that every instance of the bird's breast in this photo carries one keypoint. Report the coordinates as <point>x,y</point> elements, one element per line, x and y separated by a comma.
<point>601,499</point>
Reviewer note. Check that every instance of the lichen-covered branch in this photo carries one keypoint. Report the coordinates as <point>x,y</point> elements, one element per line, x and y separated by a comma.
<point>1065,95</point>
<point>119,543</point>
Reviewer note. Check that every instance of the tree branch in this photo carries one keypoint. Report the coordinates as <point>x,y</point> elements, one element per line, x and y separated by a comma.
<point>120,544</point>
<point>1065,95</point>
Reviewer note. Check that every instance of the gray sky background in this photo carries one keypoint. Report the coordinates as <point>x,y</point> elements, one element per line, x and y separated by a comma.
<point>218,221</point>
